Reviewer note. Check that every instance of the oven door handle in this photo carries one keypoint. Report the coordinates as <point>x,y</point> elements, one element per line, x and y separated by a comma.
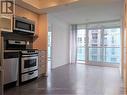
<point>30,73</point>
<point>30,55</point>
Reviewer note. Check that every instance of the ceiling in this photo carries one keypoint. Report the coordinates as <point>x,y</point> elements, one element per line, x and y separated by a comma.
<point>42,4</point>
<point>81,11</point>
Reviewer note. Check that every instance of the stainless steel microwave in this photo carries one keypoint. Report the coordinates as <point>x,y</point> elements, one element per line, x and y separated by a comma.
<point>22,24</point>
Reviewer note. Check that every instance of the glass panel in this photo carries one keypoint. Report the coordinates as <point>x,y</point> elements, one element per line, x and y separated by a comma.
<point>94,54</point>
<point>94,38</point>
<point>23,25</point>
<point>29,63</point>
<point>94,45</point>
<point>112,37</point>
<point>81,36</point>
<point>49,52</point>
<point>49,45</point>
<point>81,42</point>
<point>81,54</point>
<point>112,49</point>
<point>112,55</point>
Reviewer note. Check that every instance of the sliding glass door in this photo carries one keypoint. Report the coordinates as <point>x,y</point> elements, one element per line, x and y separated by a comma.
<point>112,53</point>
<point>81,43</point>
<point>94,45</point>
<point>100,46</point>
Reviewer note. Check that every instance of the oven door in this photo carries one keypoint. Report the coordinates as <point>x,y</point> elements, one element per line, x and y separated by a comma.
<point>29,63</point>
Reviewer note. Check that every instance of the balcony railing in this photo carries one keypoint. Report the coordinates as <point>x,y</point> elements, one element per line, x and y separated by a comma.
<point>109,55</point>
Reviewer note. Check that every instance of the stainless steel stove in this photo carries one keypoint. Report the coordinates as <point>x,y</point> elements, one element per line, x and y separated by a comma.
<point>28,65</point>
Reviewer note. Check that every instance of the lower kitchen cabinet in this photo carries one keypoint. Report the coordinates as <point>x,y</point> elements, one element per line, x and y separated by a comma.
<point>42,65</point>
<point>1,81</point>
<point>1,64</point>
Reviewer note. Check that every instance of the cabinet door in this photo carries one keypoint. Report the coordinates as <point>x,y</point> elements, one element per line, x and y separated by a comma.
<point>1,64</point>
<point>6,23</point>
<point>42,70</point>
<point>42,63</point>
<point>1,81</point>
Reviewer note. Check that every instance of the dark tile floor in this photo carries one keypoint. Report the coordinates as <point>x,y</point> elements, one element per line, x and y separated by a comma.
<point>74,79</point>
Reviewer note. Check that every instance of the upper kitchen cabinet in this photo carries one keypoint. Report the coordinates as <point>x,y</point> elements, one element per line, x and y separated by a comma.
<point>6,22</point>
<point>42,41</point>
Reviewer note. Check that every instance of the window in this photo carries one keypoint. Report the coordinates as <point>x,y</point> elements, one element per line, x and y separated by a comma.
<point>99,44</point>
<point>94,58</point>
<point>94,45</point>
<point>94,36</point>
<point>49,45</point>
<point>112,45</point>
<point>113,59</point>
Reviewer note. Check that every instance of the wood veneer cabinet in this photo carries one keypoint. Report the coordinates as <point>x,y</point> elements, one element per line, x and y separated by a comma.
<point>124,47</point>
<point>42,63</point>
<point>1,81</point>
<point>6,23</point>
<point>1,64</point>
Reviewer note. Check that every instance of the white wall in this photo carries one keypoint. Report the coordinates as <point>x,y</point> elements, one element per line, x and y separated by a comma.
<point>59,29</point>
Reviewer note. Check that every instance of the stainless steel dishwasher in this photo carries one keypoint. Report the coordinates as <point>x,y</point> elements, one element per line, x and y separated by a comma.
<point>11,61</point>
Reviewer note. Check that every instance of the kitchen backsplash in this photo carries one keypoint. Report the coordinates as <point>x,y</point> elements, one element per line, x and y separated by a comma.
<point>18,37</point>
